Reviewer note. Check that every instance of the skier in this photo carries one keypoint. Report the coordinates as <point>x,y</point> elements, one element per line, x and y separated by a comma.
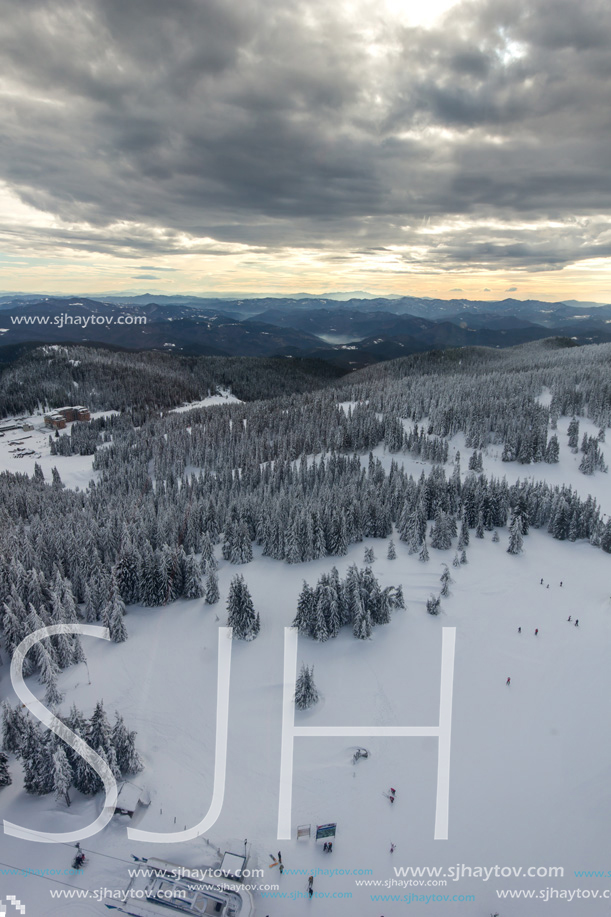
<point>561,582</point>
<point>536,631</point>
<point>310,891</point>
<point>279,857</point>
<point>576,622</point>
<point>392,798</point>
<point>508,682</point>
<point>330,847</point>
<point>281,868</point>
<point>310,881</point>
<point>393,791</point>
<point>392,848</point>
<point>547,587</point>
<point>569,617</point>
<point>519,630</point>
<point>325,847</point>
<point>541,580</point>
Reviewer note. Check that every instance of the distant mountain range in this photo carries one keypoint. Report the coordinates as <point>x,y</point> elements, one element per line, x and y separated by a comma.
<point>350,333</point>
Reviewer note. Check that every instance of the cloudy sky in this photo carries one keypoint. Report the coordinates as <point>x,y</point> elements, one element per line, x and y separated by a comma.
<point>420,146</point>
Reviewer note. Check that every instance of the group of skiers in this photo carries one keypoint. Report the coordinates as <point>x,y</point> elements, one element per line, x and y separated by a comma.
<point>569,619</point>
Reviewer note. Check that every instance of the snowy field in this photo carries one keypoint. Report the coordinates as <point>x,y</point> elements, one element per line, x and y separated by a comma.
<point>74,470</point>
<point>530,762</point>
<point>222,397</point>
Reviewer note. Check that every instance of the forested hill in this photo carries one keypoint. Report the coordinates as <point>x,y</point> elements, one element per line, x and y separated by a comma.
<point>103,379</point>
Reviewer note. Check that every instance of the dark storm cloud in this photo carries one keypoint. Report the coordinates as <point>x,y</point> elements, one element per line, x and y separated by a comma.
<point>274,125</point>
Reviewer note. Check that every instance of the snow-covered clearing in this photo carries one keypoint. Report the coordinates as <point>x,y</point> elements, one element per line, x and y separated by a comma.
<point>221,397</point>
<point>74,470</point>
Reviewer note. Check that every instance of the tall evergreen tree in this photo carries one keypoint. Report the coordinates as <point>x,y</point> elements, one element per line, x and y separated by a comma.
<point>62,775</point>
<point>5,776</point>
<point>306,693</point>
<point>516,539</point>
<point>212,588</point>
<point>124,744</point>
<point>192,586</point>
<point>241,613</point>
<point>112,617</point>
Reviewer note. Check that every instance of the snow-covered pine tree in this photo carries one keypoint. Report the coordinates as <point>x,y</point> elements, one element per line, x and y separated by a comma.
<point>192,586</point>
<point>362,626</point>
<point>229,539</point>
<point>48,669</point>
<point>552,452</point>
<point>53,695</point>
<point>127,573</point>
<point>240,550</point>
<point>5,776</point>
<point>424,553</point>
<point>241,613</point>
<point>391,554</point>
<point>327,606</point>
<point>319,629</point>
<point>573,432</point>
<point>62,775</point>
<point>208,561</point>
<point>369,556</point>
<point>433,605</point>
<point>112,616</point>
<point>446,581</point>
<point>99,731</point>
<point>463,538</point>
<point>37,758</point>
<point>306,603</point>
<point>124,744</point>
<point>396,597</point>
<point>13,727</point>
<point>306,693</point>
<point>212,588</point>
<point>516,539</point>
<point>441,537</point>
<point>381,604</point>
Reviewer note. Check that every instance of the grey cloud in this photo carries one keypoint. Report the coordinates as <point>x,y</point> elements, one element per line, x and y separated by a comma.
<point>144,277</point>
<point>271,124</point>
<point>151,267</point>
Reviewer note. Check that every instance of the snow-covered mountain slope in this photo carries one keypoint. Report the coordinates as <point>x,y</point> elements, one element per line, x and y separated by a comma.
<point>529,764</point>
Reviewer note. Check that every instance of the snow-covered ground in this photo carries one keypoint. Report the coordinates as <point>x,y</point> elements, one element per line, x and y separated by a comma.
<point>530,763</point>
<point>74,470</point>
<point>221,397</point>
